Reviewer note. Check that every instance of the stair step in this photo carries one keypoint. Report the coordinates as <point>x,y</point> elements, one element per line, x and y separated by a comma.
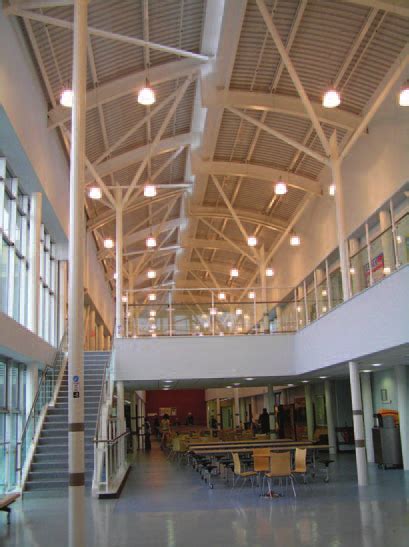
<point>52,484</point>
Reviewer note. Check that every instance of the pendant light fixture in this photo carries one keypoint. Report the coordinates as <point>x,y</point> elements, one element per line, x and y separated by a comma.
<point>152,297</point>
<point>269,272</point>
<point>234,272</point>
<point>151,274</point>
<point>404,94</point>
<point>149,191</point>
<point>252,295</point>
<point>108,243</point>
<point>66,98</point>
<point>95,192</point>
<point>331,98</point>
<point>295,240</point>
<point>280,188</point>
<point>146,95</point>
<point>150,242</point>
<point>222,296</point>
<point>252,241</point>
<point>331,189</point>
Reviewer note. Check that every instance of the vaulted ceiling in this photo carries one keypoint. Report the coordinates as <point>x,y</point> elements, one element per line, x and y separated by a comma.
<point>229,119</point>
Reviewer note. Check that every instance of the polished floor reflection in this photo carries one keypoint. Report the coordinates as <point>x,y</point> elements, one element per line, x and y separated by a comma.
<point>166,505</point>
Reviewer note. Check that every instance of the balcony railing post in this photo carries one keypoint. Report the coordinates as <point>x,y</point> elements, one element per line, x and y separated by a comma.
<point>393,225</point>
<point>296,309</point>
<point>255,312</point>
<point>307,318</point>
<point>368,250</point>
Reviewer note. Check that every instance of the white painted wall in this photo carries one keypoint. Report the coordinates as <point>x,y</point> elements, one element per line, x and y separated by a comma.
<point>376,168</point>
<point>203,357</point>
<point>21,344</point>
<point>372,321</point>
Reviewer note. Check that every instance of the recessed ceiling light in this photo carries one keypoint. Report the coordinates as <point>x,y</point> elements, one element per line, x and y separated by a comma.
<point>228,387</point>
<point>366,370</point>
<point>249,379</point>
<point>168,381</point>
<point>236,383</point>
<point>290,385</point>
<point>323,377</point>
<point>377,365</point>
<point>305,381</point>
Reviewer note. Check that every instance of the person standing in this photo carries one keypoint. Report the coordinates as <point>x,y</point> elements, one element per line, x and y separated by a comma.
<point>264,422</point>
<point>148,444</point>
<point>189,419</point>
<point>164,430</point>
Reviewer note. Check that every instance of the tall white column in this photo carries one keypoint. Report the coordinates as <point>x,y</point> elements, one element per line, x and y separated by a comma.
<point>368,414</point>
<point>253,408</point>
<point>359,432</point>
<point>119,331</point>
<point>401,376</point>
<point>134,422</point>
<point>236,407</point>
<point>34,262</point>
<point>31,386</point>
<point>218,414</point>
<point>76,509</point>
<point>329,405</point>
<point>62,297</point>
<point>309,412</point>
<point>120,406</point>
<point>92,330</point>
<point>340,215</point>
<point>263,282</point>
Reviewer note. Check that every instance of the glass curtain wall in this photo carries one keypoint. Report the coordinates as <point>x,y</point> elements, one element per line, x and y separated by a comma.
<point>15,264</point>
<point>12,418</point>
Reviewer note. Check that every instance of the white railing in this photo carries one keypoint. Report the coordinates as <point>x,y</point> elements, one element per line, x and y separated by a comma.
<point>110,465</point>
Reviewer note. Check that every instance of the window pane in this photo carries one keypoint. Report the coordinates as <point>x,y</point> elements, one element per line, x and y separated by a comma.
<point>17,237</point>
<point>13,387</point>
<point>402,239</point>
<point>6,217</point>
<point>3,384</point>
<point>4,272</point>
<point>17,276</point>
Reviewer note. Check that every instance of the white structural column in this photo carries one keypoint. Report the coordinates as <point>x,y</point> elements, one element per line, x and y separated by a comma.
<point>76,510</point>
<point>368,414</point>
<point>62,297</point>
<point>329,406</point>
<point>119,277</point>
<point>269,405</point>
<point>92,331</point>
<point>359,432</point>
<point>340,215</point>
<point>309,412</point>
<point>401,375</point>
<point>34,262</point>
<point>134,422</point>
<point>236,407</point>
<point>218,414</point>
<point>31,387</point>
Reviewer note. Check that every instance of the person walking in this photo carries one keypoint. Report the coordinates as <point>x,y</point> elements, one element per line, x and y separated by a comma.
<point>264,422</point>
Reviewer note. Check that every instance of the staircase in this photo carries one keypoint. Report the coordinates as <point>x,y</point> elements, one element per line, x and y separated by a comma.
<point>49,468</point>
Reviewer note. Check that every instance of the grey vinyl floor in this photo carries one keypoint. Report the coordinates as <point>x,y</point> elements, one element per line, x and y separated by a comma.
<point>165,504</point>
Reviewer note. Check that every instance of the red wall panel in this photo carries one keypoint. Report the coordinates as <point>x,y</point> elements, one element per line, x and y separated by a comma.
<point>184,400</point>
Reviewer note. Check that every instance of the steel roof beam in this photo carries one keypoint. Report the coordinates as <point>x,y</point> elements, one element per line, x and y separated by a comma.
<point>246,215</point>
<point>398,7</point>
<point>254,171</point>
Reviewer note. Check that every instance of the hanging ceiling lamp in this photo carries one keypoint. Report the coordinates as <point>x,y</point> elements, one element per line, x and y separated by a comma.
<point>295,240</point>
<point>95,192</point>
<point>66,98</point>
<point>152,297</point>
<point>280,188</point>
<point>404,94</point>
<point>331,98</point>
<point>252,295</point>
<point>269,272</point>
<point>149,190</point>
<point>146,95</point>
<point>252,241</point>
<point>151,274</point>
<point>108,243</point>
<point>150,242</point>
<point>124,299</point>
<point>234,272</point>
<point>331,189</point>
<point>222,296</point>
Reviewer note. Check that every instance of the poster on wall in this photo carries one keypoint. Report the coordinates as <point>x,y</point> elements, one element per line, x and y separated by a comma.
<point>377,265</point>
<point>169,410</point>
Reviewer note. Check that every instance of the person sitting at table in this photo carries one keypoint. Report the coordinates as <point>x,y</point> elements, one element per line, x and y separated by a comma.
<point>264,421</point>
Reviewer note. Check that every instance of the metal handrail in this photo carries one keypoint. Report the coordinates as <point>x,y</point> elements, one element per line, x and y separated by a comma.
<point>32,414</point>
<point>101,396</point>
<point>112,441</point>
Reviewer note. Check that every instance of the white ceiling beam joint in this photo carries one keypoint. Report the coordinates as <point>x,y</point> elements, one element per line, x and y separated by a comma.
<point>293,74</point>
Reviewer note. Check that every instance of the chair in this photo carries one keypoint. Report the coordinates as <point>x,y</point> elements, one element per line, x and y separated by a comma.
<point>237,471</point>
<point>300,467</point>
<point>261,459</point>
<point>280,468</point>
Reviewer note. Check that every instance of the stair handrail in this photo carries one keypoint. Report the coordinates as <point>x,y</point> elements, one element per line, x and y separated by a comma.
<point>49,392</point>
